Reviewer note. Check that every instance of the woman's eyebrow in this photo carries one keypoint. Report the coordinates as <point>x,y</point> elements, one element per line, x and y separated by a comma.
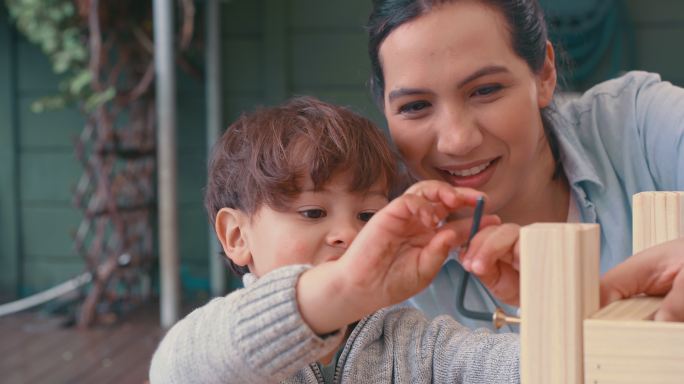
<point>400,92</point>
<point>488,70</point>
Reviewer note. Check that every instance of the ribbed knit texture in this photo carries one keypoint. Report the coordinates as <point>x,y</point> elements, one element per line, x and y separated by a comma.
<point>256,335</point>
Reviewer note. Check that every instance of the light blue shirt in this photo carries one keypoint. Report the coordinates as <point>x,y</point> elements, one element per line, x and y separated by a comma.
<point>621,137</point>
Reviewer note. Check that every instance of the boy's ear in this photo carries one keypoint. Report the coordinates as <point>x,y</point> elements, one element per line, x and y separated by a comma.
<point>229,228</point>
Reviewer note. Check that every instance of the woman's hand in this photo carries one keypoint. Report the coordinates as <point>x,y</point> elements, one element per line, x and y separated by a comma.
<point>656,271</point>
<point>494,257</point>
<point>396,255</point>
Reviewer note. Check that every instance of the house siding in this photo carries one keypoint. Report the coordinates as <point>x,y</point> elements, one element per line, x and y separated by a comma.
<point>270,50</point>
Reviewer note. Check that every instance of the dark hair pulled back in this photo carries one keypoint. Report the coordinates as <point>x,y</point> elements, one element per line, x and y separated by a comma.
<point>526,25</point>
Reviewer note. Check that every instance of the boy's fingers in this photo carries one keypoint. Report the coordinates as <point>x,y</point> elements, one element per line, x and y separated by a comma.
<point>437,191</point>
<point>436,252</point>
<point>428,213</point>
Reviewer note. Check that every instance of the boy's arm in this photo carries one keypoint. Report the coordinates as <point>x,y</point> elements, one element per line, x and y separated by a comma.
<point>473,356</point>
<point>254,335</point>
<point>450,352</point>
<point>396,255</point>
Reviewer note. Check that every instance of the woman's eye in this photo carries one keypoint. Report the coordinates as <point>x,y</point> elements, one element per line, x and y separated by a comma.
<point>413,107</point>
<point>313,213</point>
<point>487,90</point>
<point>365,216</point>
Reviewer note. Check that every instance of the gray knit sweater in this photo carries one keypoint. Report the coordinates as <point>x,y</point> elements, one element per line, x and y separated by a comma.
<point>257,335</point>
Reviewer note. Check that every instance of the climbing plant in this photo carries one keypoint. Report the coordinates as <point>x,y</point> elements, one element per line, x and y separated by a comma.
<point>58,29</point>
<point>104,52</point>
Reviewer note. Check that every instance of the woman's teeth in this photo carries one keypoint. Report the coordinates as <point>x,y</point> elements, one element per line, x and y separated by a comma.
<point>471,171</point>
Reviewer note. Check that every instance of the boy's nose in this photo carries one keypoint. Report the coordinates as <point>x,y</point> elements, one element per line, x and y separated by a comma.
<point>342,236</point>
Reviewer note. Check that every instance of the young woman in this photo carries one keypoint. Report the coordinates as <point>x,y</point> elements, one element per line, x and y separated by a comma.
<point>467,90</point>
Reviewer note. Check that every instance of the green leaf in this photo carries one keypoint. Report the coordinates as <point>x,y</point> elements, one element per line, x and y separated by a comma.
<point>48,103</point>
<point>80,81</point>
<point>97,99</point>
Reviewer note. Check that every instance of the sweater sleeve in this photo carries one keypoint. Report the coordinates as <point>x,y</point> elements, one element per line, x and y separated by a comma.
<point>253,335</point>
<point>472,356</point>
<point>443,351</point>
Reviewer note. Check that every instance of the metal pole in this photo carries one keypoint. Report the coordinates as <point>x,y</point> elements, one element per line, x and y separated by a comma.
<point>166,160</point>
<point>214,118</point>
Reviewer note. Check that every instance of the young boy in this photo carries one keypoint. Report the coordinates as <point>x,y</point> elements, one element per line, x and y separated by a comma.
<point>289,190</point>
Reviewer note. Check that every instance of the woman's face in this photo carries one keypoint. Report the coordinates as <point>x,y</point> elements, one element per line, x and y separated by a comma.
<point>463,107</point>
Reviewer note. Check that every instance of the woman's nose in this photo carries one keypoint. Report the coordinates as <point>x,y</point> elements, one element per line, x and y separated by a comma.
<point>457,134</point>
<point>342,234</point>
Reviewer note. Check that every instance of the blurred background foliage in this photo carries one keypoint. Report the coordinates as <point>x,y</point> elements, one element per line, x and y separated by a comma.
<point>59,30</point>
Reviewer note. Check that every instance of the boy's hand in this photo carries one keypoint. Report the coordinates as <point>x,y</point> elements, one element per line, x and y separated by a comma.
<point>396,255</point>
<point>494,257</point>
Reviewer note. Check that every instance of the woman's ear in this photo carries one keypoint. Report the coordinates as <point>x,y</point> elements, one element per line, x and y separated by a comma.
<point>230,231</point>
<point>547,78</point>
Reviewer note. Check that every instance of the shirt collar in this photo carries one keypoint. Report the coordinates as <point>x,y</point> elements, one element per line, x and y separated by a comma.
<point>574,158</point>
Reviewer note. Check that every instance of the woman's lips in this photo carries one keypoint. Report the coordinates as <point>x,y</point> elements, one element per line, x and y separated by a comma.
<point>471,177</point>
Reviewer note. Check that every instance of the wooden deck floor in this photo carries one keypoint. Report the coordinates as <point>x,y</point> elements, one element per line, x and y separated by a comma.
<point>34,349</point>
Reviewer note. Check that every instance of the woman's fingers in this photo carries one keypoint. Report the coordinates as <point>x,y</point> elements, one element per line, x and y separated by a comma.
<point>658,270</point>
<point>504,284</point>
<point>462,226</point>
<point>672,308</point>
<point>490,246</point>
<point>493,256</point>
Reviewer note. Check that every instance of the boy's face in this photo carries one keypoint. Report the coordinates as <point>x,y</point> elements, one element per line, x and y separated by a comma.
<point>316,227</point>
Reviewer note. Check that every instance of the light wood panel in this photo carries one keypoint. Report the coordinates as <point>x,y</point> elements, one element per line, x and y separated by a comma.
<point>559,289</point>
<point>656,217</point>
<point>621,342</point>
<point>635,308</point>
<point>633,351</point>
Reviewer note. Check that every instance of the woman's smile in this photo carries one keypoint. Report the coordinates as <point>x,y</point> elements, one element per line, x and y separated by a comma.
<point>473,175</point>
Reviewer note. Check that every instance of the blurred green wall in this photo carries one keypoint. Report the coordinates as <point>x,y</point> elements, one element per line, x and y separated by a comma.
<point>271,49</point>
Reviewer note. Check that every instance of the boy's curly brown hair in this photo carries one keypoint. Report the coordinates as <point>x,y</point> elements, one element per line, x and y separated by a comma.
<point>263,157</point>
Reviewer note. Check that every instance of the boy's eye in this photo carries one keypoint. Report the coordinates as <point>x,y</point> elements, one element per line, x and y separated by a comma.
<point>365,216</point>
<point>313,213</point>
<point>413,107</point>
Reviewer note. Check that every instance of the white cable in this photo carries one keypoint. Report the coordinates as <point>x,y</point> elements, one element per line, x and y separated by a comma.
<point>45,296</point>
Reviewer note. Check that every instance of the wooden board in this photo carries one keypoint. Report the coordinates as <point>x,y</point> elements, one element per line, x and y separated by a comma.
<point>621,342</point>
<point>657,217</point>
<point>559,289</point>
<point>635,308</point>
<point>633,351</point>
